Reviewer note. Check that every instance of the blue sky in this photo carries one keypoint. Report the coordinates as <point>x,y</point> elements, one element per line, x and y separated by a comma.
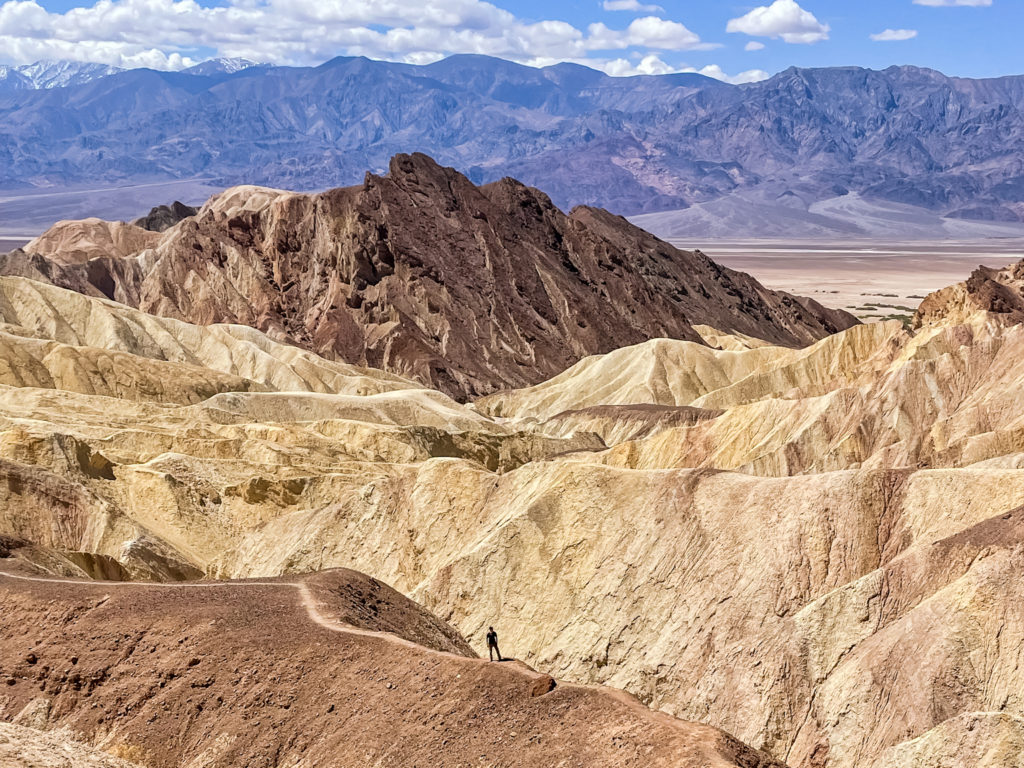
<point>730,40</point>
<point>981,41</point>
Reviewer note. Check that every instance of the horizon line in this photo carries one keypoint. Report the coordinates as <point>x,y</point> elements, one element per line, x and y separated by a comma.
<point>540,68</point>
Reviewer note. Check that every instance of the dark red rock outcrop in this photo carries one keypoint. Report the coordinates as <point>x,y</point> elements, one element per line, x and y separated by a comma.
<point>468,289</point>
<point>163,217</point>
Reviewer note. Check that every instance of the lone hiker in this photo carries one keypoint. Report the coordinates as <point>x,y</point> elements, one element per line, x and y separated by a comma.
<point>492,644</point>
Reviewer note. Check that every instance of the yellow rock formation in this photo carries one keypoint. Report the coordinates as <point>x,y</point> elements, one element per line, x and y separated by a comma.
<point>816,550</point>
<point>21,746</point>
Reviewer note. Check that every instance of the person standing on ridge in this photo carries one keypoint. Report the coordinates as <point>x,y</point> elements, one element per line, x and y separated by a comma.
<point>492,644</point>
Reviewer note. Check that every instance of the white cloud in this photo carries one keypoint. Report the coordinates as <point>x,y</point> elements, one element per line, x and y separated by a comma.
<point>715,71</point>
<point>895,34</point>
<point>167,33</point>
<point>754,45</point>
<point>27,50</point>
<point>783,19</point>
<point>648,65</point>
<point>653,65</point>
<point>950,3</point>
<point>646,32</point>
<point>630,5</point>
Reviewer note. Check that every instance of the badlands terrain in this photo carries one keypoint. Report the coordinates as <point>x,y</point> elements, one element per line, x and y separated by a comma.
<point>795,539</point>
<point>421,272</point>
<point>286,672</point>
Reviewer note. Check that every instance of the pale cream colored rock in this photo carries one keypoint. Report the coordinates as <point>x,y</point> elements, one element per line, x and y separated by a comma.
<point>660,372</point>
<point>850,358</point>
<point>821,563</point>
<point>22,747</point>
<point>616,424</point>
<point>976,739</point>
<point>72,319</point>
<point>245,198</point>
<point>35,714</point>
<point>945,397</point>
<point>27,362</point>
<point>734,342</point>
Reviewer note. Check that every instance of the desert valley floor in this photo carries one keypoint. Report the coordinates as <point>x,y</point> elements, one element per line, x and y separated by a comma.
<point>872,279</point>
<point>10,244</point>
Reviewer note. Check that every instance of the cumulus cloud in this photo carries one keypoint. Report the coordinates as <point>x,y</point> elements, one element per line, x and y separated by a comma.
<point>648,65</point>
<point>630,5</point>
<point>950,3</point>
<point>653,65</point>
<point>783,19</point>
<point>895,34</point>
<point>754,45</point>
<point>169,34</point>
<point>715,71</point>
<point>647,32</point>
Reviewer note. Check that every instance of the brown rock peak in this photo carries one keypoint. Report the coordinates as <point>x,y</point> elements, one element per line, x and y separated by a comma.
<point>999,291</point>
<point>468,289</point>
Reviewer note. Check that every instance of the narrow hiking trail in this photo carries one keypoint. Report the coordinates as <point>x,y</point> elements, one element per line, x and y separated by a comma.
<point>306,600</point>
<point>255,678</point>
<point>315,614</point>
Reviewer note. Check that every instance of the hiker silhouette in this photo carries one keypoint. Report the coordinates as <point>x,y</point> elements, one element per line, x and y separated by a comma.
<point>492,644</point>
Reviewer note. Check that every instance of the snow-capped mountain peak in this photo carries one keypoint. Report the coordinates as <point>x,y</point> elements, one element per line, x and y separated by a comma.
<point>60,74</point>
<point>221,66</point>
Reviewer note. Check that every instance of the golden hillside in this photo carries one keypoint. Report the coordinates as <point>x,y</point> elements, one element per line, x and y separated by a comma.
<point>815,550</point>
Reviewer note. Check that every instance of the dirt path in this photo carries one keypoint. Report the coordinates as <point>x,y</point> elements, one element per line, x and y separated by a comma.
<point>240,677</point>
<point>313,611</point>
<point>308,602</point>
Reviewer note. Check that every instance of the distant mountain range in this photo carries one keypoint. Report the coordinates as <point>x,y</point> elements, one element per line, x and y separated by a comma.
<point>43,75</point>
<point>52,74</point>
<point>803,152</point>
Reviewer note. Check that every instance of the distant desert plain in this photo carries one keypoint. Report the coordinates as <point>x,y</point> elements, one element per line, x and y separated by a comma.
<point>873,280</point>
<point>10,244</point>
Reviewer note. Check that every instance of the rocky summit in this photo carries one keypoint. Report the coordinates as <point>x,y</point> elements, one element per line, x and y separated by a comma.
<point>420,272</point>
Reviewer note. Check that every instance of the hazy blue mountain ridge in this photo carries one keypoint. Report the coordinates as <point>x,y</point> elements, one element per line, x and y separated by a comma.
<point>633,145</point>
